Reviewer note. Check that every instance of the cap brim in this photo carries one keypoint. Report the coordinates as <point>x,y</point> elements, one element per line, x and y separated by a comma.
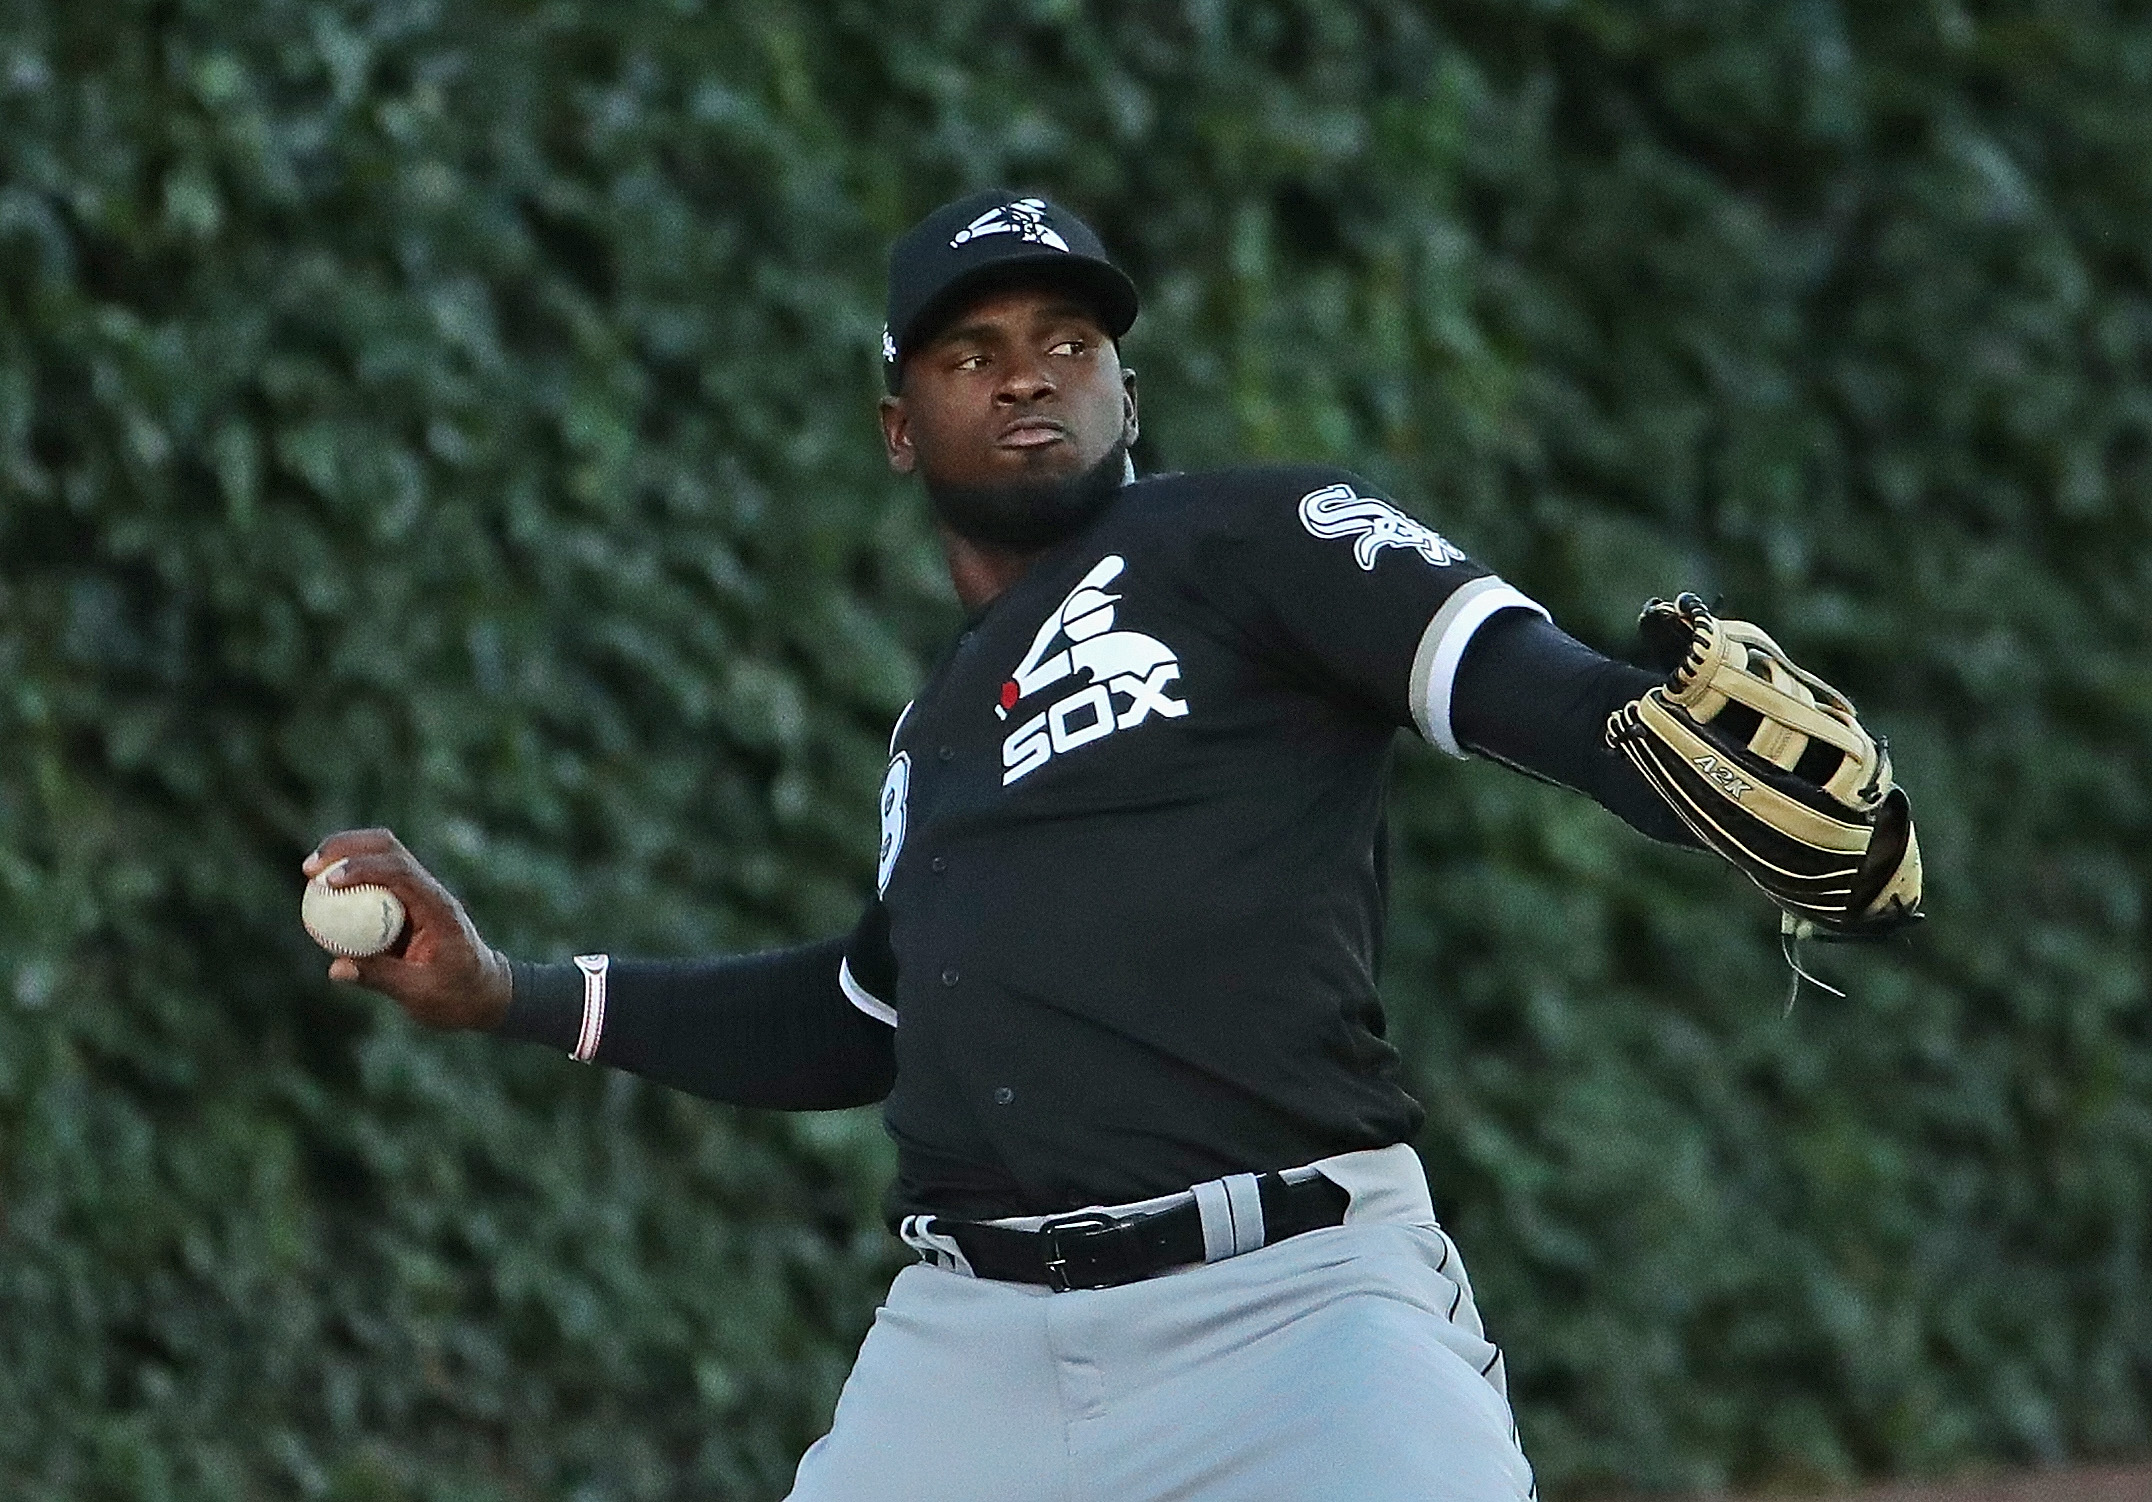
<point>1099,285</point>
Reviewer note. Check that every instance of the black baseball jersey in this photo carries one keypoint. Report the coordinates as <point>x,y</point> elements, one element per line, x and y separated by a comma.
<point>1131,871</point>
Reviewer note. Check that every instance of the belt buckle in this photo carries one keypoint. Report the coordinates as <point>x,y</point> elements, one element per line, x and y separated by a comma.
<point>1057,1262</point>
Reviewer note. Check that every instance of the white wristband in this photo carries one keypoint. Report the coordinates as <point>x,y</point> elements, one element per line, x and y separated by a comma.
<point>593,967</point>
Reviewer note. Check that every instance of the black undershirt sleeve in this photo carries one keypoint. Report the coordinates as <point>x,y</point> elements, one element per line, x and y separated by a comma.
<point>1533,697</point>
<point>772,1029</point>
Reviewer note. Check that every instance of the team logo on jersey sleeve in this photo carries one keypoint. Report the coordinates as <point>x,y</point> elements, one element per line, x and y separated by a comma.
<point>1106,680</point>
<point>1341,511</point>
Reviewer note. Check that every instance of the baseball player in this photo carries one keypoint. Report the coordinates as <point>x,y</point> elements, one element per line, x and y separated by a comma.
<point>1116,989</point>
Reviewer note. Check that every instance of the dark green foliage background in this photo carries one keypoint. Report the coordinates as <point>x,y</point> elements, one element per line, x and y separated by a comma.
<point>457,416</point>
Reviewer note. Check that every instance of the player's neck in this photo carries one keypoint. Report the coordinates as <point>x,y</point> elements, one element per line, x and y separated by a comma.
<point>980,571</point>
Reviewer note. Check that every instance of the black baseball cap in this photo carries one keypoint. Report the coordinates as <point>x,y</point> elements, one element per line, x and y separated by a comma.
<point>985,240</point>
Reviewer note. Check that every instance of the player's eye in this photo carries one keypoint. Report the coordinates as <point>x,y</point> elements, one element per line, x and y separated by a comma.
<point>976,360</point>
<point>1069,347</point>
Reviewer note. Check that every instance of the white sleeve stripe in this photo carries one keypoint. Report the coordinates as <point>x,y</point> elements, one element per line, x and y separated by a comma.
<point>1442,648</point>
<point>594,968</point>
<point>859,996</point>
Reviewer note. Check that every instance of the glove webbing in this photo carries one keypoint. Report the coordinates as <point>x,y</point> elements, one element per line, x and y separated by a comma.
<point>1735,662</point>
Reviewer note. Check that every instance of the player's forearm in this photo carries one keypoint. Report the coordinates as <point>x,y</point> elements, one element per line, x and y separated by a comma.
<point>770,1029</point>
<point>1530,695</point>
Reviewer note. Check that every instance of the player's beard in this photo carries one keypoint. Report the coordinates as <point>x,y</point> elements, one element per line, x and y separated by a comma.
<point>1029,516</point>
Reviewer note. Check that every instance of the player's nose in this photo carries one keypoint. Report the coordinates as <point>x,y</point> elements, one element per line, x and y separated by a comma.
<point>1024,381</point>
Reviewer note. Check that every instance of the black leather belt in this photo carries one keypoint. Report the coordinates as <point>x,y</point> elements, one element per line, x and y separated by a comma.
<point>1091,1249</point>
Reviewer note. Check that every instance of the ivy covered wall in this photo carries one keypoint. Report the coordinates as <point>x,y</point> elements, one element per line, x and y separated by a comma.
<point>458,417</point>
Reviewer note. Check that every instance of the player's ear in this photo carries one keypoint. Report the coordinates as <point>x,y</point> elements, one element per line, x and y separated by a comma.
<point>1130,428</point>
<point>897,435</point>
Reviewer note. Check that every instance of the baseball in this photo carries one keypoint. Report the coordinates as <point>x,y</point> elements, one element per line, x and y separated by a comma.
<point>354,921</point>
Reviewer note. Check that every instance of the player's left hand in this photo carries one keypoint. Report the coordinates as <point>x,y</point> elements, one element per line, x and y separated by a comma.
<point>1770,766</point>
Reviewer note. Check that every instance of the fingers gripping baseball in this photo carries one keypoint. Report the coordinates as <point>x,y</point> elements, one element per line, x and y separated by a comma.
<point>438,970</point>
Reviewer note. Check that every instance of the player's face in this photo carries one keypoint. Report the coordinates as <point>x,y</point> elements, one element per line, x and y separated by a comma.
<point>1024,385</point>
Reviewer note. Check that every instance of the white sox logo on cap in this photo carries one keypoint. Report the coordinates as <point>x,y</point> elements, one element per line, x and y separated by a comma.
<point>1023,217</point>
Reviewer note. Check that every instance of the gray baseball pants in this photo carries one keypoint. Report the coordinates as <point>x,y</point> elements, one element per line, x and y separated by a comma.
<point>1341,1365</point>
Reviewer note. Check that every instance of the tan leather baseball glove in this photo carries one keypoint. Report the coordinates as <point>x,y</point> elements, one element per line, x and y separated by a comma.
<point>1771,767</point>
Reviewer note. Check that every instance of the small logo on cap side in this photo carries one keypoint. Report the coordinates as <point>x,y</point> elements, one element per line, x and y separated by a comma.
<point>889,346</point>
<point>1024,218</point>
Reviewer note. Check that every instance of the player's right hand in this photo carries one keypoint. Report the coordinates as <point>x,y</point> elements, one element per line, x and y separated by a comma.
<point>440,971</point>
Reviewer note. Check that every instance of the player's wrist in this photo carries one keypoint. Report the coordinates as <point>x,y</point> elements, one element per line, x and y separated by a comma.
<point>494,993</point>
<point>544,1004</point>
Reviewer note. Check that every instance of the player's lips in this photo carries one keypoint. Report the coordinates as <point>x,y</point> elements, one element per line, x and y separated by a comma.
<point>1031,433</point>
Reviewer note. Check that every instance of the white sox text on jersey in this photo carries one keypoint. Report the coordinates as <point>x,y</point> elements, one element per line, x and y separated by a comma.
<point>1112,680</point>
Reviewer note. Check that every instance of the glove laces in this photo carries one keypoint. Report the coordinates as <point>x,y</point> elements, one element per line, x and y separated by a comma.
<point>1791,932</point>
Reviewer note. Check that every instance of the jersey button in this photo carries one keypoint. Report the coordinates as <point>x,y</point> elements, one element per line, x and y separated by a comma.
<point>1003,1095</point>
<point>947,753</point>
<point>939,864</point>
<point>950,977</point>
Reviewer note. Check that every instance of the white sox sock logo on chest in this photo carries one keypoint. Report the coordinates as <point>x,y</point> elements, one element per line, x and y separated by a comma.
<point>1123,677</point>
